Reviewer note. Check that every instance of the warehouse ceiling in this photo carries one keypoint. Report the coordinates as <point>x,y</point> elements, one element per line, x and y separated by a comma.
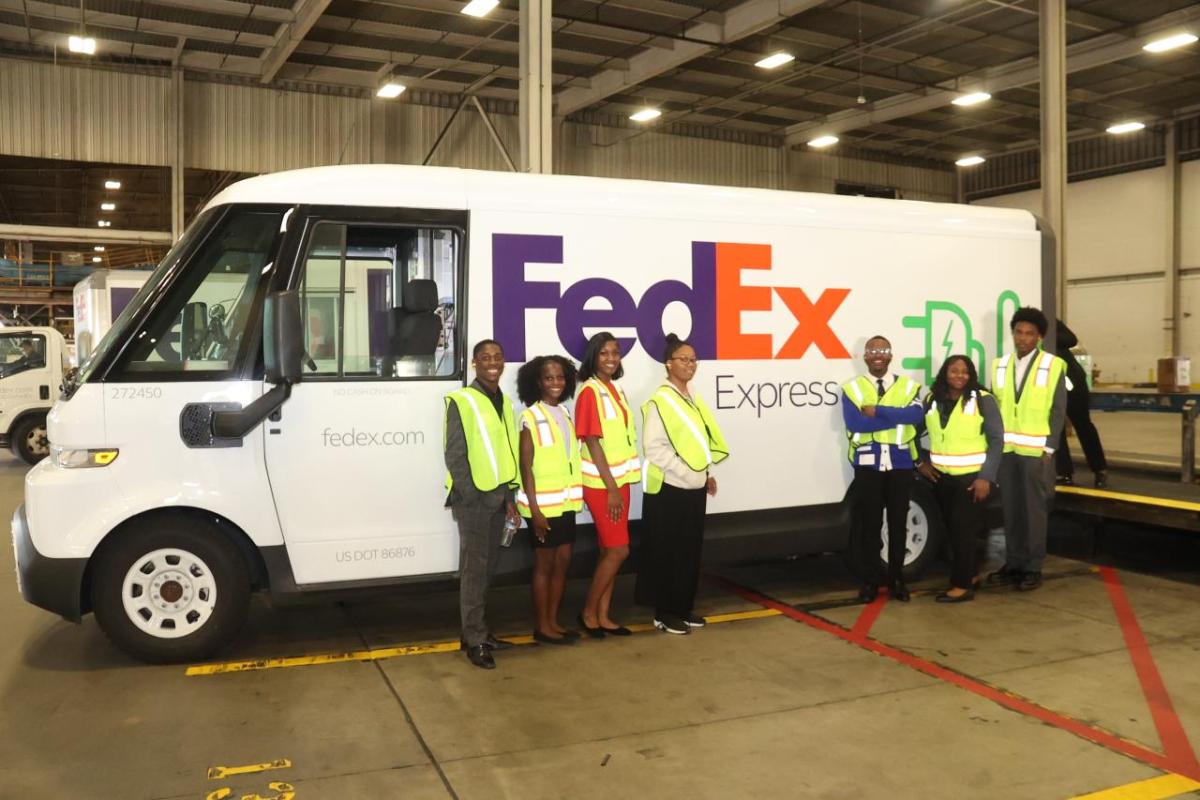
<point>879,74</point>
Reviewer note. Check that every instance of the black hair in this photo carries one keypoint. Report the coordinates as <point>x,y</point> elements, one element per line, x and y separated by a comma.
<point>879,336</point>
<point>587,367</point>
<point>940,393</point>
<point>482,343</point>
<point>1031,315</point>
<point>673,344</point>
<point>529,377</point>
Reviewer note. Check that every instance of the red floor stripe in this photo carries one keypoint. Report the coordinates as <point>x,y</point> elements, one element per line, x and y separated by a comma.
<point>866,620</point>
<point>1170,730</point>
<point>1006,699</point>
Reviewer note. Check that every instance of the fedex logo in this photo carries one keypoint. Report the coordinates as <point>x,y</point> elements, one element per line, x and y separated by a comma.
<point>716,299</point>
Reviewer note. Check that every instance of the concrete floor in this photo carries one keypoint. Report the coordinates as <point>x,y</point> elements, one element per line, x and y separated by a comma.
<point>762,707</point>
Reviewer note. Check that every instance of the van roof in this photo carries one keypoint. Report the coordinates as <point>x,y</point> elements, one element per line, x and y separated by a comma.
<point>407,186</point>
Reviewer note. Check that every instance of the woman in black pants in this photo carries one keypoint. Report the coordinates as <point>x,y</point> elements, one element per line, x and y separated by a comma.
<point>966,441</point>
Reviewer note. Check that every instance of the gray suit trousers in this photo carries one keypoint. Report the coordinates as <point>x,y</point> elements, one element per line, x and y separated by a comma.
<point>1026,489</point>
<point>479,530</point>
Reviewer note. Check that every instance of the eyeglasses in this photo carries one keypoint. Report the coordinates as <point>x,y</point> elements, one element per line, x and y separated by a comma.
<point>878,351</point>
<point>687,362</point>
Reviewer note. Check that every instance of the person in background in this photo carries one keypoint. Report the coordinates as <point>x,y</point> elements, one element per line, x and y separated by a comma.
<point>604,424</point>
<point>552,489</point>
<point>881,411</point>
<point>1030,386</point>
<point>481,458</point>
<point>682,441</point>
<point>1079,400</point>
<point>966,442</point>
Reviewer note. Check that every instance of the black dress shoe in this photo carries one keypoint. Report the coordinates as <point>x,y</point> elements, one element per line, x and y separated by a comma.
<point>481,656</point>
<point>1004,576</point>
<point>899,591</point>
<point>1029,581</point>
<point>570,634</point>
<point>1065,480</point>
<point>946,597</point>
<point>497,644</point>
<point>594,633</point>
<point>542,638</point>
<point>867,593</point>
<point>1102,479</point>
<point>620,630</point>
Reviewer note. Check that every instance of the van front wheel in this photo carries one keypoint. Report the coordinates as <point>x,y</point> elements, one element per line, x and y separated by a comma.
<point>170,589</point>
<point>30,443</point>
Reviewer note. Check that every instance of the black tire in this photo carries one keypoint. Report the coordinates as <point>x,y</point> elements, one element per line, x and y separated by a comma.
<point>202,543</point>
<point>29,440</point>
<point>924,550</point>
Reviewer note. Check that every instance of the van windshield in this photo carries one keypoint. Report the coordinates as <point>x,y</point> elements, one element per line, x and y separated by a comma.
<point>149,289</point>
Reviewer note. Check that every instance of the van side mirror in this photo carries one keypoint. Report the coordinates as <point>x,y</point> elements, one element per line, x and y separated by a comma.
<point>195,330</point>
<point>283,337</point>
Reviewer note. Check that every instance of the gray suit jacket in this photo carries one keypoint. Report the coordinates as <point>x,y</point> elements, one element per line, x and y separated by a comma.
<point>463,491</point>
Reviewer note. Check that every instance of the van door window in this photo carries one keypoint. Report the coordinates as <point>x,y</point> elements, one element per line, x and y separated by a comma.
<point>379,301</point>
<point>21,352</point>
<point>202,325</point>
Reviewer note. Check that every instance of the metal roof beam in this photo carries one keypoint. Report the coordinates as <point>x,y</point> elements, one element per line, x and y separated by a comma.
<point>740,21</point>
<point>42,233</point>
<point>307,12</point>
<point>1093,52</point>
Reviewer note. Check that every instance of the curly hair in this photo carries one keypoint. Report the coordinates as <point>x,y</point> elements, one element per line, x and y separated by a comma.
<point>673,343</point>
<point>940,392</point>
<point>529,378</point>
<point>1032,315</point>
<point>587,367</point>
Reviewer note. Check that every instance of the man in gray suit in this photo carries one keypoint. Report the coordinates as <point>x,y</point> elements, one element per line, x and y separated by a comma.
<point>481,456</point>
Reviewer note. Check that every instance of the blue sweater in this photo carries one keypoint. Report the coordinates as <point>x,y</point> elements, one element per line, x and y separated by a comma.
<point>869,455</point>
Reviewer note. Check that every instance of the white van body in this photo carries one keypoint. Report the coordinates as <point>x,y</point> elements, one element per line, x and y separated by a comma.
<point>29,385</point>
<point>98,300</point>
<point>343,484</point>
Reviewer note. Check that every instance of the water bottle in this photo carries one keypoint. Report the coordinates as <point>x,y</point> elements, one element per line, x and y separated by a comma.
<point>510,530</point>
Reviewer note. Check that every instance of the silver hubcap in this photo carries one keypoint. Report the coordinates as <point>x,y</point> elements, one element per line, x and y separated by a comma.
<point>169,593</point>
<point>37,441</point>
<point>918,535</point>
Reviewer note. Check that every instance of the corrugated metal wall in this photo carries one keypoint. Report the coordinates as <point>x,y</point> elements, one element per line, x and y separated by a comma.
<point>88,114</point>
<point>82,114</point>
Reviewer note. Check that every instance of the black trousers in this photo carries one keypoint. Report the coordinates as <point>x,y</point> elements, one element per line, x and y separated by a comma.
<point>964,522</point>
<point>672,544</point>
<point>1079,412</point>
<point>874,493</point>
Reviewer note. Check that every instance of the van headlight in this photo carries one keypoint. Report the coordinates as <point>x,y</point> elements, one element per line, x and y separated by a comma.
<point>68,458</point>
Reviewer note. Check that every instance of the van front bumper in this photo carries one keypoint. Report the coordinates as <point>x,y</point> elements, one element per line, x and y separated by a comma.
<point>55,584</point>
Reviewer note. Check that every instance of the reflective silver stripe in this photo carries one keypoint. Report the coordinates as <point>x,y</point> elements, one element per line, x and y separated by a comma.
<point>589,468</point>
<point>1024,439</point>
<point>1043,373</point>
<point>899,435</point>
<point>944,460</point>
<point>1070,386</point>
<point>691,426</point>
<point>545,432</point>
<point>969,406</point>
<point>487,442</point>
<point>1002,371</point>
<point>857,392</point>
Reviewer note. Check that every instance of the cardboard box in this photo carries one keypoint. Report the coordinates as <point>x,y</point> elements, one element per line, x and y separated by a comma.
<point>1175,374</point>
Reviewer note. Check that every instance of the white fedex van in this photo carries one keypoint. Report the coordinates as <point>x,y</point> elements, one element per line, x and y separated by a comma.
<point>296,445</point>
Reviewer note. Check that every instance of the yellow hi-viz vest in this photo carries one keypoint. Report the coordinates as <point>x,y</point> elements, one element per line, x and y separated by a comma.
<point>961,447</point>
<point>1027,421</point>
<point>693,432</point>
<point>557,483</point>
<point>618,439</point>
<point>863,392</point>
<point>491,442</point>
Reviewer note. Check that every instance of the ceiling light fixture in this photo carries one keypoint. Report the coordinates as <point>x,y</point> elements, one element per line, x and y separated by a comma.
<point>775,60</point>
<point>1125,127</point>
<point>970,161</point>
<point>823,141</point>
<point>391,90</point>
<point>104,223</point>
<point>99,248</point>
<point>1170,42</point>
<point>108,206</point>
<point>974,98</point>
<point>96,259</point>
<point>645,115</point>
<point>479,8</point>
<point>82,44</point>
<point>112,184</point>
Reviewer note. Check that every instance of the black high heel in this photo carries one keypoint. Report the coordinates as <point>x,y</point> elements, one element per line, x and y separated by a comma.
<point>594,633</point>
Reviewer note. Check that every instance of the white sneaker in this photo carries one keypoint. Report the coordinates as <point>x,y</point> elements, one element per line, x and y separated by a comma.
<point>671,625</point>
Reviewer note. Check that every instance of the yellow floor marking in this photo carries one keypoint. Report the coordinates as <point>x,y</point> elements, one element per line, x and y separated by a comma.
<point>1163,786</point>
<point>1140,499</point>
<point>417,649</point>
<point>216,773</point>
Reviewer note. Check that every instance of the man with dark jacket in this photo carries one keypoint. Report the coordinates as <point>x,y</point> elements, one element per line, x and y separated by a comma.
<point>1078,411</point>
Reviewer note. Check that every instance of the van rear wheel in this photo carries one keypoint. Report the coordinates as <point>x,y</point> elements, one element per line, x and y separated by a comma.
<point>29,439</point>
<point>171,589</point>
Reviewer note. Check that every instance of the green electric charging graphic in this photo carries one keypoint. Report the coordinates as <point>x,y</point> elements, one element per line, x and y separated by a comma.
<point>948,330</point>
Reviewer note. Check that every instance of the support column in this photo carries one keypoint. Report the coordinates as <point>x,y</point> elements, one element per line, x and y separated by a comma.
<point>1172,308</point>
<point>536,108</point>
<point>1052,18</point>
<point>176,138</point>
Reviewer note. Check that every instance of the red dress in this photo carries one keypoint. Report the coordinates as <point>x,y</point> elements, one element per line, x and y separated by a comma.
<point>587,423</point>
